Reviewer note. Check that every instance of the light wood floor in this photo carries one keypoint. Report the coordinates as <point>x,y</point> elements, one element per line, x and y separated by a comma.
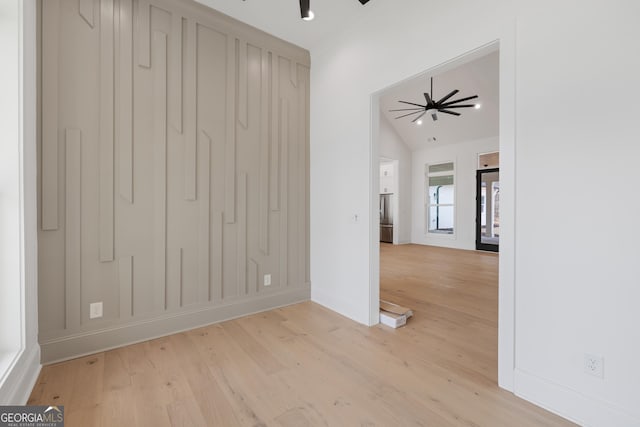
<point>304,365</point>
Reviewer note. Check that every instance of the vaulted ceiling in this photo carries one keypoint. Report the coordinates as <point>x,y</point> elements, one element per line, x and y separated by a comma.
<point>478,77</point>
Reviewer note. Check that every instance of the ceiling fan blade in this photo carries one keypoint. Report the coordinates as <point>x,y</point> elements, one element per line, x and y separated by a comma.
<point>458,106</point>
<point>449,112</point>
<point>419,117</point>
<point>415,112</point>
<point>453,92</point>
<point>459,100</point>
<point>304,8</point>
<point>429,100</point>
<point>406,109</point>
<point>364,1</point>
<point>411,103</point>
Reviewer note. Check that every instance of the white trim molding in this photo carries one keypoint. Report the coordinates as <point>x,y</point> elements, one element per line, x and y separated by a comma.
<point>23,368</point>
<point>570,404</point>
<point>22,375</point>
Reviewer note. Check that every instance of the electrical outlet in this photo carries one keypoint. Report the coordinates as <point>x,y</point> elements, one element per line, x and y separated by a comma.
<point>594,365</point>
<point>267,280</point>
<point>95,310</point>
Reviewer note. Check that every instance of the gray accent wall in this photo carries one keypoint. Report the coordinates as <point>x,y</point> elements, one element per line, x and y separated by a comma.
<point>174,171</point>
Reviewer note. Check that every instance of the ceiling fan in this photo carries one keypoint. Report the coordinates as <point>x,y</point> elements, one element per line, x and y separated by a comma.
<point>440,106</point>
<point>307,14</point>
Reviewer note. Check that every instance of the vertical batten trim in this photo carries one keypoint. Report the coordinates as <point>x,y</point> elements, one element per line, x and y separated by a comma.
<point>230,147</point>
<point>204,229</point>
<point>181,276</point>
<point>50,108</point>
<point>107,93</point>
<point>307,188</point>
<point>73,227</point>
<point>284,209</point>
<point>125,117</point>
<point>274,193</point>
<point>86,11</point>
<point>293,72</point>
<point>301,180</point>
<point>216,282</point>
<point>175,288</point>
<point>177,23</point>
<point>125,278</point>
<point>144,33</point>
<point>264,153</point>
<point>293,198</point>
<point>242,234</point>
<point>252,282</point>
<point>160,165</point>
<point>191,132</point>
<point>243,83</point>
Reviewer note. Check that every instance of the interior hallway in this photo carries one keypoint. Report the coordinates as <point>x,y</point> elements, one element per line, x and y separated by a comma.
<point>305,365</point>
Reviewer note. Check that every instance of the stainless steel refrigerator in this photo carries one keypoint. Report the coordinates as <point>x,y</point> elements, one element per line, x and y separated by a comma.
<point>386,218</point>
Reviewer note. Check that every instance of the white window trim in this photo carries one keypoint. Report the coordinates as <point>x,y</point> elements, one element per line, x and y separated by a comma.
<point>427,201</point>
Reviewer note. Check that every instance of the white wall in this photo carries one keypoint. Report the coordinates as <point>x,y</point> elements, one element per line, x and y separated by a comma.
<point>465,157</point>
<point>393,147</point>
<point>576,284</point>
<point>18,245</point>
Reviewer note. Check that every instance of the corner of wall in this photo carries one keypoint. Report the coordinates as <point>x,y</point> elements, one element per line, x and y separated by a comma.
<point>22,376</point>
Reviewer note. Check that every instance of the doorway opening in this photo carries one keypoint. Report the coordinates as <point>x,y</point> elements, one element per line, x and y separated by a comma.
<point>488,210</point>
<point>391,224</point>
<point>443,168</point>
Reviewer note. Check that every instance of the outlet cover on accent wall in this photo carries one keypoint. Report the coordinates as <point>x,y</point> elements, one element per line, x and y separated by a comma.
<point>95,310</point>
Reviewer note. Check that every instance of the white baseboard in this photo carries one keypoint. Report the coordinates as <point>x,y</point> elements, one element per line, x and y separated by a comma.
<point>22,376</point>
<point>345,308</point>
<point>70,347</point>
<point>570,404</point>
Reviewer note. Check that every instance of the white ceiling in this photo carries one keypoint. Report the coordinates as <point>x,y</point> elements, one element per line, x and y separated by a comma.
<point>281,18</point>
<point>478,77</point>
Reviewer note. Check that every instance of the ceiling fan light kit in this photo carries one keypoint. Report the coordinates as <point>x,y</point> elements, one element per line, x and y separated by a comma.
<point>443,105</point>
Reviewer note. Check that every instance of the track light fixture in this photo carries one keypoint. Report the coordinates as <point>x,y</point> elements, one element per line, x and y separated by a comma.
<point>305,12</point>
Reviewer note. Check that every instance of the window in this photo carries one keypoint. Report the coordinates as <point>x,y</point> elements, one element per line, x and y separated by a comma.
<point>440,200</point>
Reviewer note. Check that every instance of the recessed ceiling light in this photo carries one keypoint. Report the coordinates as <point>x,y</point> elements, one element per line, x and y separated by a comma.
<point>419,122</point>
<point>478,106</point>
<point>309,16</point>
